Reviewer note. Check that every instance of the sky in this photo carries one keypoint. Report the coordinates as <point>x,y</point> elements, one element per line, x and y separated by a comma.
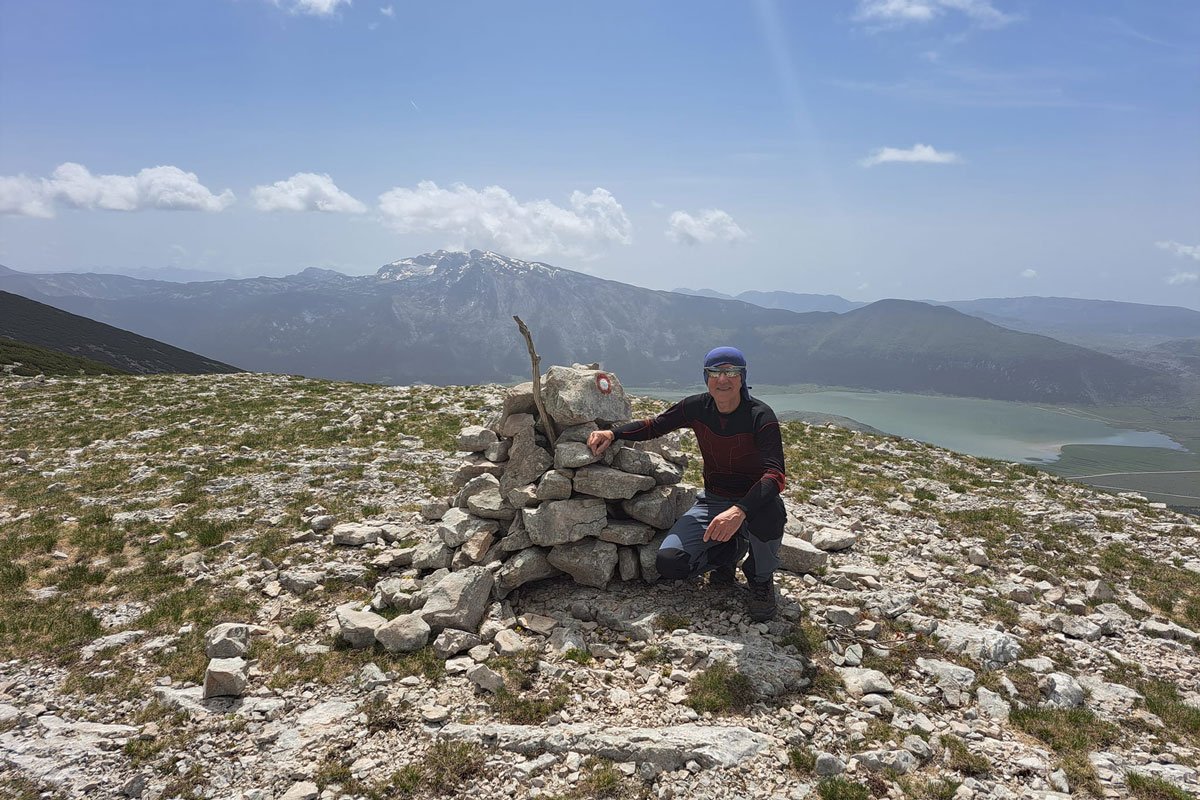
<point>924,149</point>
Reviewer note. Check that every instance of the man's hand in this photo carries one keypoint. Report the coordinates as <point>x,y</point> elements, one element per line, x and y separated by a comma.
<point>598,441</point>
<point>725,525</point>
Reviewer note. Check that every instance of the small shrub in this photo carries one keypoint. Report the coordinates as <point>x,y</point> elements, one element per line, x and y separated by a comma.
<point>670,621</point>
<point>960,759</point>
<point>449,764</point>
<point>652,655</point>
<point>578,655</point>
<point>801,760</point>
<point>719,689</point>
<point>304,620</point>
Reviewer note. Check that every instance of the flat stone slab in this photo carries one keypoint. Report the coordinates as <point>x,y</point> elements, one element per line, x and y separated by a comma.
<point>669,748</point>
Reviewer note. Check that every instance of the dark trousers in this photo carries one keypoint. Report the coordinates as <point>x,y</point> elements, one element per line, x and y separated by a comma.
<point>684,553</point>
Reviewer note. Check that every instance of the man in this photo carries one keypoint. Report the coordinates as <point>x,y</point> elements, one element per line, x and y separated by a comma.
<point>740,507</point>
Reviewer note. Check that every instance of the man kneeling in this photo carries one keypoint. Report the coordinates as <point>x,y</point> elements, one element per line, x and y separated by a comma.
<point>740,508</point>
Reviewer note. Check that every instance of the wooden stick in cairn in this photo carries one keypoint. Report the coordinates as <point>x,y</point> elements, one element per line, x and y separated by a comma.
<point>536,361</point>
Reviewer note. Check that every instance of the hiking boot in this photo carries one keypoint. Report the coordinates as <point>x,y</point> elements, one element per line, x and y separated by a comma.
<point>725,575</point>
<point>762,602</point>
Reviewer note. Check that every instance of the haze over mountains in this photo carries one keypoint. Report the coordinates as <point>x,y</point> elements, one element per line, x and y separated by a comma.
<point>446,317</point>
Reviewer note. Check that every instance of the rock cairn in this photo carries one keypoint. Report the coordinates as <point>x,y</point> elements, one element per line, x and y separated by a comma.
<point>526,509</point>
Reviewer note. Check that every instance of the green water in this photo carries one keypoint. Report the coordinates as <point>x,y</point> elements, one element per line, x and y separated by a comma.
<point>988,428</point>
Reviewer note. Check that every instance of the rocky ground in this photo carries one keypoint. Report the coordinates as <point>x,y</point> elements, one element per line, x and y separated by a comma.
<point>979,630</point>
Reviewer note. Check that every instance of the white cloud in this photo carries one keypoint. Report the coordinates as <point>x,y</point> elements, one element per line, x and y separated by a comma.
<point>1186,250</point>
<point>1179,278</point>
<point>903,12</point>
<point>306,191</point>
<point>917,154</point>
<point>1029,273</point>
<point>492,218</point>
<point>164,187</point>
<point>387,11</point>
<point>315,8</point>
<point>710,225</point>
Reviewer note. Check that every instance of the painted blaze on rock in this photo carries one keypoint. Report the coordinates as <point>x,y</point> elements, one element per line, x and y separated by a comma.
<point>574,395</point>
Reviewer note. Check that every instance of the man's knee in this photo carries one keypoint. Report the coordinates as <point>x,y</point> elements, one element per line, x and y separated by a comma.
<point>672,563</point>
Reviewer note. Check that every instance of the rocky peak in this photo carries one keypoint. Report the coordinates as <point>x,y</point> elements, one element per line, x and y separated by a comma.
<point>456,263</point>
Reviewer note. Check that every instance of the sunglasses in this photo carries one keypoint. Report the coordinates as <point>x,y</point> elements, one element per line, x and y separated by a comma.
<point>729,372</point>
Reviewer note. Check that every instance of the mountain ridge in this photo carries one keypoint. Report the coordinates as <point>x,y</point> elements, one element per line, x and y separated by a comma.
<point>446,317</point>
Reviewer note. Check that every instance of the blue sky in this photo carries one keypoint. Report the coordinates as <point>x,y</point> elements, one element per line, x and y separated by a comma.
<point>941,149</point>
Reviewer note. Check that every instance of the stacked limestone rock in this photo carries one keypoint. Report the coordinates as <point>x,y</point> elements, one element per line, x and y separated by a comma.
<point>524,513</point>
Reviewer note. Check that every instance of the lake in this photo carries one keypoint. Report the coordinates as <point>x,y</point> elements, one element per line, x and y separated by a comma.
<point>990,428</point>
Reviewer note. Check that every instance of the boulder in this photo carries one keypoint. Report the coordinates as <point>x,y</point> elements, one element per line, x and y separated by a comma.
<point>480,483</point>
<point>451,642</point>
<point>475,438</point>
<point>490,505</point>
<point>459,600</point>
<point>627,563</point>
<point>800,557</point>
<point>641,462</point>
<point>989,648</point>
<point>554,485</point>
<point>570,455</point>
<point>590,561</point>
<point>457,526</point>
<point>475,548</point>
<point>432,555</point>
<point>1060,690</point>
<point>661,506</point>
<point>527,565</point>
<point>355,534</point>
<point>609,483</point>
<point>834,539</point>
<point>626,532</point>
<point>526,462</point>
<point>357,628</point>
<point>227,640</point>
<point>225,677</point>
<point>518,400</point>
<point>864,681</point>
<point>562,521</point>
<point>404,634</point>
<point>574,395</point>
<point>513,424</point>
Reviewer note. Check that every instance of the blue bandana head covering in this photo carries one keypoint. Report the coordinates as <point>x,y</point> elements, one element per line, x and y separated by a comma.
<point>726,355</point>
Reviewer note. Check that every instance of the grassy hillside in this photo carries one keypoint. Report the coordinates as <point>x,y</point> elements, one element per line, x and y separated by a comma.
<point>138,511</point>
<point>29,321</point>
<point>29,359</point>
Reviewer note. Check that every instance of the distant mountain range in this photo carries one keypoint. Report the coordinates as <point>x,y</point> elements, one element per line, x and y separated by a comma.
<point>446,317</point>
<point>32,323</point>
<point>789,301</point>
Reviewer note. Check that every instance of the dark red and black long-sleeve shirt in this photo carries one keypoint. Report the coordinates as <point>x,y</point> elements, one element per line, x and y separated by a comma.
<point>742,450</point>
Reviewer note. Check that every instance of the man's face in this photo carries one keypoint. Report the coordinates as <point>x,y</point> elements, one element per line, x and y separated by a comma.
<point>726,384</point>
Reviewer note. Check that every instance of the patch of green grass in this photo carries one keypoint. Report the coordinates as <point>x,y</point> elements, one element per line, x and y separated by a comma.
<point>57,628</point>
<point>928,789</point>
<point>521,708</point>
<point>840,788</point>
<point>1174,591</point>
<point>720,689</point>
<point>1150,788</point>
<point>287,667</point>
<point>449,766</point>
<point>578,655</point>
<point>652,655</point>
<point>1071,734</point>
<point>1163,700</point>
<point>304,620</point>
<point>669,621</point>
<point>805,636</point>
<point>961,759</point>
<point>801,760</point>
